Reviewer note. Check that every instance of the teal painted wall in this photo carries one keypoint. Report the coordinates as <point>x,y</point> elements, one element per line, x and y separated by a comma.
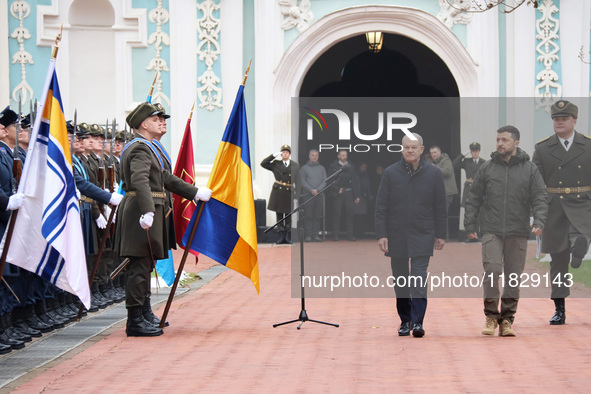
<point>36,72</point>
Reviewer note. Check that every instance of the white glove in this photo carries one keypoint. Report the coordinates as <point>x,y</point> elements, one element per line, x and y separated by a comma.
<point>78,195</point>
<point>15,201</point>
<point>101,222</point>
<point>467,153</point>
<point>116,199</point>
<point>203,194</point>
<point>278,154</point>
<point>146,220</point>
<point>107,211</point>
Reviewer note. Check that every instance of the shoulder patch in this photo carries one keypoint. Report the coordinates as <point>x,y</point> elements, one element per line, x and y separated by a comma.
<point>2,149</point>
<point>543,139</point>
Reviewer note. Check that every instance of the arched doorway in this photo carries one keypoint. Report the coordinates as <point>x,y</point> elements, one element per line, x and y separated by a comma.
<point>403,68</point>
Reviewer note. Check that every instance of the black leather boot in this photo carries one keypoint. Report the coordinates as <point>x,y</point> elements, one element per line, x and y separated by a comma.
<point>5,348</point>
<point>281,239</point>
<point>11,331</point>
<point>44,316</point>
<point>137,326</point>
<point>33,321</point>
<point>559,317</point>
<point>6,340</point>
<point>149,315</point>
<point>18,322</point>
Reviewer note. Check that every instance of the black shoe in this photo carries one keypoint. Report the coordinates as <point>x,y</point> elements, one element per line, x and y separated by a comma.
<point>138,327</point>
<point>5,339</point>
<point>317,239</point>
<point>25,329</point>
<point>418,331</point>
<point>308,239</point>
<point>579,251</point>
<point>149,315</point>
<point>558,319</point>
<point>5,348</point>
<point>31,320</point>
<point>404,329</point>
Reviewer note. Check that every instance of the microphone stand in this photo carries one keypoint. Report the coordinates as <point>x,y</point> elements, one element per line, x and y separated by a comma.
<point>303,317</point>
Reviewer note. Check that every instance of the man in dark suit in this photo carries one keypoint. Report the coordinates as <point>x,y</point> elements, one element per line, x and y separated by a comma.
<point>411,220</point>
<point>564,159</point>
<point>287,174</point>
<point>346,193</point>
<point>141,228</point>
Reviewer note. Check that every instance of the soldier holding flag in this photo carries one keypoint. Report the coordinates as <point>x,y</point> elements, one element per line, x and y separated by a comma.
<point>140,233</point>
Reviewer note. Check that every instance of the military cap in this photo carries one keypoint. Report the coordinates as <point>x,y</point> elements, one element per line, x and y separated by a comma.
<point>140,113</point>
<point>26,121</point>
<point>286,147</point>
<point>70,127</point>
<point>120,136</point>
<point>475,146</point>
<point>160,108</point>
<point>84,127</point>
<point>8,117</point>
<point>95,130</point>
<point>564,108</point>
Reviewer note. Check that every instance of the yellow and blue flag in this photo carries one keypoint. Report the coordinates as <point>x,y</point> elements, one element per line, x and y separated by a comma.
<point>47,238</point>
<point>226,231</point>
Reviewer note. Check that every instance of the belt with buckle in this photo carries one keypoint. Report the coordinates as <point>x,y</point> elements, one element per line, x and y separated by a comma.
<point>568,190</point>
<point>283,183</point>
<point>154,194</point>
<point>86,199</point>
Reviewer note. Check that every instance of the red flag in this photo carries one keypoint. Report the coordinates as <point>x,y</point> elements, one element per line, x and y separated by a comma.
<point>184,169</point>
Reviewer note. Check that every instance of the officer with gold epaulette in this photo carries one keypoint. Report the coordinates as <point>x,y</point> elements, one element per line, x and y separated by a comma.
<point>286,173</point>
<point>564,159</point>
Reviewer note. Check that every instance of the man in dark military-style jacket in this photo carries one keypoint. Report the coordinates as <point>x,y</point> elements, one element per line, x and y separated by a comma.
<point>287,173</point>
<point>564,159</point>
<point>141,229</point>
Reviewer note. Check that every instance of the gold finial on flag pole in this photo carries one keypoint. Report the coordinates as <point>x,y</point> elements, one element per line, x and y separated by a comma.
<point>193,107</point>
<point>58,39</point>
<point>246,73</point>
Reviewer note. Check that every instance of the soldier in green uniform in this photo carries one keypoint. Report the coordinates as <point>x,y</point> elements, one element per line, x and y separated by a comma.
<point>141,230</point>
<point>286,173</point>
<point>564,159</point>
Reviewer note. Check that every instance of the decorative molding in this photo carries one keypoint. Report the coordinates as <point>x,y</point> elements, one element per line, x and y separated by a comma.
<point>208,49</point>
<point>454,14</point>
<point>159,16</point>
<point>20,9</point>
<point>294,15</point>
<point>547,48</point>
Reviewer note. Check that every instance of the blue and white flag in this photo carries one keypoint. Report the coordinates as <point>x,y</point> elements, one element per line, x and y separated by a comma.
<point>47,238</point>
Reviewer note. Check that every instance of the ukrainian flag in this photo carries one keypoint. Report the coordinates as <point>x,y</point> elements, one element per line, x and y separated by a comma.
<point>226,231</point>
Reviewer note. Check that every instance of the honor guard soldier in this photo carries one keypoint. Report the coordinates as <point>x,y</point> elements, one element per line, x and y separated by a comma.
<point>564,159</point>
<point>141,229</point>
<point>286,173</point>
<point>470,162</point>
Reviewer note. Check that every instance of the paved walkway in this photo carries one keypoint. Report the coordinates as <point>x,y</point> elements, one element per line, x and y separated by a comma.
<point>221,339</point>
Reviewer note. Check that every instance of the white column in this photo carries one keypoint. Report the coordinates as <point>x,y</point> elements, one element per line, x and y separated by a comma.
<point>4,55</point>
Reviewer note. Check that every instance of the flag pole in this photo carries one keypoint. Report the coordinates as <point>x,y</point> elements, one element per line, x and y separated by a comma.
<point>14,214</point>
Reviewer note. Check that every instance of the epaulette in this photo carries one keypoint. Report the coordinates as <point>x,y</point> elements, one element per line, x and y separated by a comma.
<point>543,139</point>
<point>586,136</point>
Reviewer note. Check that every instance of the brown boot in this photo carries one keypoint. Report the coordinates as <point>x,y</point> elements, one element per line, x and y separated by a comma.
<point>505,329</point>
<point>490,326</point>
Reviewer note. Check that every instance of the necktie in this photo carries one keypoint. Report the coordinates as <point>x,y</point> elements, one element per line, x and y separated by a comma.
<point>475,161</point>
<point>286,164</point>
<point>566,144</point>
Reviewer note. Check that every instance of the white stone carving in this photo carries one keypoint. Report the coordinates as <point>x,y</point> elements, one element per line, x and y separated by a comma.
<point>294,15</point>
<point>159,16</point>
<point>20,10</point>
<point>208,49</point>
<point>453,12</point>
<point>549,89</point>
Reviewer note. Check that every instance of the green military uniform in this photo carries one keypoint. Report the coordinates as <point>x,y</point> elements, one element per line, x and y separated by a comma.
<point>471,167</point>
<point>144,181</point>
<point>567,174</point>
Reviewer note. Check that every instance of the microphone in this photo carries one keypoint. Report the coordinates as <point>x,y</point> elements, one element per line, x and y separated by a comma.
<point>344,168</point>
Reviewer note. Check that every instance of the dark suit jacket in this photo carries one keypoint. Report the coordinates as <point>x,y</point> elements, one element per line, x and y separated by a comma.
<point>471,168</point>
<point>411,210</point>
<point>560,169</point>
